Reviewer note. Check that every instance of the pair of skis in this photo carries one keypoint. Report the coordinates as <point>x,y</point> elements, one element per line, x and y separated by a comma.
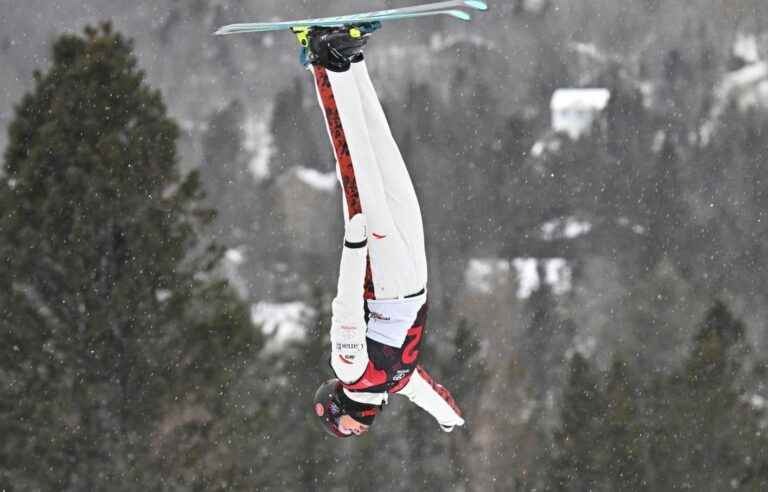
<point>451,8</point>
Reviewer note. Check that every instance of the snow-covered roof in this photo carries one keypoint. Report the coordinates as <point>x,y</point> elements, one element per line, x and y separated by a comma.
<point>592,99</point>
<point>746,47</point>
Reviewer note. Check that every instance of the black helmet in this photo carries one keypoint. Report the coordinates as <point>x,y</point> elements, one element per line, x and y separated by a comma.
<point>331,403</point>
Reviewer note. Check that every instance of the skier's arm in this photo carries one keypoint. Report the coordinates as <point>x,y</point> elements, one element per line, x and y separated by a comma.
<point>434,398</point>
<point>349,352</point>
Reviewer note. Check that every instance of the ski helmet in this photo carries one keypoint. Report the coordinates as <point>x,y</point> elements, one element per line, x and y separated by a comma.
<point>331,403</point>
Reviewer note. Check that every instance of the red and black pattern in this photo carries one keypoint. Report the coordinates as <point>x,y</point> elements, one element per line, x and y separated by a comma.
<point>440,390</point>
<point>343,157</point>
<point>390,368</point>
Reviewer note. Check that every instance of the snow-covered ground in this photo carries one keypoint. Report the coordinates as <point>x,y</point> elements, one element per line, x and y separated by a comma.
<point>258,143</point>
<point>546,145</point>
<point>439,41</point>
<point>233,260</point>
<point>748,86</point>
<point>584,344</point>
<point>483,275</point>
<point>282,322</point>
<point>564,228</point>
<point>636,228</point>
<point>316,179</point>
<point>756,401</point>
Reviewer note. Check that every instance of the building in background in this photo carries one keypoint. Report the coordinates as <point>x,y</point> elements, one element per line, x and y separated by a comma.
<point>574,111</point>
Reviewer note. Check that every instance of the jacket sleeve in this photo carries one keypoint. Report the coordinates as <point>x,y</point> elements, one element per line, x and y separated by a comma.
<point>433,397</point>
<point>349,352</point>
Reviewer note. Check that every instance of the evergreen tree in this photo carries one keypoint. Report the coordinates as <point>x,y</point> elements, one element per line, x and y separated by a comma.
<point>661,309</point>
<point>425,446</point>
<point>623,431</point>
<point>712,363</point>
<point>230,187</point>
<point>547,338</point>
<point>466,373</point>
<point>579,457</point>
<point>729,179</point>
<point>295,450</point>
<point>702,433</point>
<point>755,475</point>
<point>295,145</point>
<point>663,205</point>
<point>115,335</point>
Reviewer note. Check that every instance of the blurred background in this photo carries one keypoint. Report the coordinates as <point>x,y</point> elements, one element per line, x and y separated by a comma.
<point>592,175</point>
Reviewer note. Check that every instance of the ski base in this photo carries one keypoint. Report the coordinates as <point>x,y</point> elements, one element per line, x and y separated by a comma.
<point>449,8</point>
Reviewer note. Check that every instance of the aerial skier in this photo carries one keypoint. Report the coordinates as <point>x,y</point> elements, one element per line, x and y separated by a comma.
<point>379,313</point>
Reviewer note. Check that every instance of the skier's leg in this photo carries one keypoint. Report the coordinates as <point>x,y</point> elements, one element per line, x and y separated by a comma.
<point>400,193</point>
<point>434,398</point>
<point>393,267</point>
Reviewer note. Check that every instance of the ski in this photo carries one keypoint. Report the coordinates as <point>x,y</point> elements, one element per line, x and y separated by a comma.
<point>350,19</point>
<point>449,8</point>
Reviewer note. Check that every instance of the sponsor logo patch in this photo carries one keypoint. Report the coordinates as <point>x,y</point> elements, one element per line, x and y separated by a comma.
<point>348,346</point>
<point>348,359</point>
<point>401,373</point>
<point>378,316</point>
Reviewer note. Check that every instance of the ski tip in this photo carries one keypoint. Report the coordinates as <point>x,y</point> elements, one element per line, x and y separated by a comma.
<point>236,28</point>
<point>459,14</point>
<point>476,4</point>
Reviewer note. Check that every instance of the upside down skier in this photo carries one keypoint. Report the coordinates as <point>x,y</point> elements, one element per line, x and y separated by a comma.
<point>379,313</point>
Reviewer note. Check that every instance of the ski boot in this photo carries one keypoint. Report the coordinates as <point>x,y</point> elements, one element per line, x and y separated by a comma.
<point>334,48</point>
